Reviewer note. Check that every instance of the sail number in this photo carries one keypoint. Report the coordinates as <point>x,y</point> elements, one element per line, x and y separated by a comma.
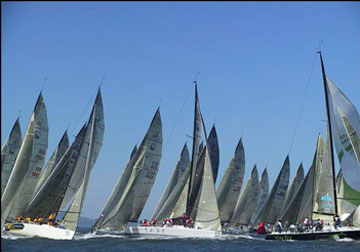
<point>151,173</point>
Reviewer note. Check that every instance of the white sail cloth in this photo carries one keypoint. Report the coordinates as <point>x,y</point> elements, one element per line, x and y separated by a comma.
<point>229,189</point>
<point>349,162</point>
<point>9,153</point>
<point>24,176</point>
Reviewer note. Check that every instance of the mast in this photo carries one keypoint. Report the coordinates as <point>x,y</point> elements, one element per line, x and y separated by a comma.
<point>330,132</point>
<point>192,153</point>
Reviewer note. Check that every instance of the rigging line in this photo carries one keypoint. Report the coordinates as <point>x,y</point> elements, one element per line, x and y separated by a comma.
<point>43,84</point>
<point>302,103</point>
<point>101,82</point>
<point>83,112</point>
<point>178,116</point>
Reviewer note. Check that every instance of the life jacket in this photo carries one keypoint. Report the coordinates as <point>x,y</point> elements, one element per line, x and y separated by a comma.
<point>261,229</point>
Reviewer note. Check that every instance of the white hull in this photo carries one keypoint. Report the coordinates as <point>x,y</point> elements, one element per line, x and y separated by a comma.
<point>174,231</point>
<point>44,231</point>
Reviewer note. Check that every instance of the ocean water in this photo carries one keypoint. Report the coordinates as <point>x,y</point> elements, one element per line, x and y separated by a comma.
<point>86,242</point>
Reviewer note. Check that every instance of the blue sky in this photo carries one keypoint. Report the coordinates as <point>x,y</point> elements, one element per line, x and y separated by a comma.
<point>254,59</point>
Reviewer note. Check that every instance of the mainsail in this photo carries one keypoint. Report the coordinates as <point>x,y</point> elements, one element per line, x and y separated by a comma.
<point>298,179</point>
<point>247,202</point>
<point>174,179</point>
<point>9,153</point>
<point>144,168</point>
<point>79,171</point>
<point>273,204</point>
<point>24,176</point>
<point>86,159</point>
<point>51,192</point>
<point>230,185</point>
<point>302,204</point>
<point>110,206</point>
<point>263,193</point>
<point>324,191</point>
<point>54,159</point>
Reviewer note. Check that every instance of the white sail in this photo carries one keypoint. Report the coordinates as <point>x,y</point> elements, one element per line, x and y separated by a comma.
<point>180,205</point>
<point>51,192</point>
<point>349,162</point>
<point>298,179</point>
<point>147,170</point>
<point>208,216</point>
<point>28,165</point>
<point>88,154</point>
<point>230,185</point>
<point>110,206</point>
<point>324,207</point>
<point>352,135</point>
<point>247,202</point>
<point>175,204</point>
<point>273,204</point>
<point>141,180</point>
<point>78,175</point>
<point>347,198</point>
<point>54,159</point>
<point>302,204</point>
<point>9,153</point>
<point>175,176</point>
<point>263,193</point>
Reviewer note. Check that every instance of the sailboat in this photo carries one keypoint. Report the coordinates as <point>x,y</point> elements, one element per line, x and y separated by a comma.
<point>298,179</point>
<point>316,197</point>
<point>134,185</point>
<point>175,178</point>
<point>246,203</point>
<point>194,193</point>
<point>27,167</point>
<point>229,189</point>
<point>263,193</point>
<point>272,206</point>
<point>75,164</point>
<point>9,153</point>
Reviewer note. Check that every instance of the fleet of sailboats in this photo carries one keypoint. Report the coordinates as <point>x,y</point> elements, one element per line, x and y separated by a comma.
<point>56,191</point>
<point>75,164</point>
